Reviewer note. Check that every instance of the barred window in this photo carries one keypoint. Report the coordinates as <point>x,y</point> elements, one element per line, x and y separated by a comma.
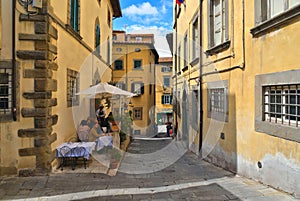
<point>218,24</point>
<point>72,88</point>
<point>217,100</point>
<point>6,91</point>
<point>281,104</point>
<point>218,103</point>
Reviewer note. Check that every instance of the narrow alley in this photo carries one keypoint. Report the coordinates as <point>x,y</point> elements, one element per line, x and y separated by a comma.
<point>189,178</point>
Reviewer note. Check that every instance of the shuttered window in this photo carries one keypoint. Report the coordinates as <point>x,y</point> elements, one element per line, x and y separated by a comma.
<point>137,88</point>
<point>218,25</point>
<point>74,14</point>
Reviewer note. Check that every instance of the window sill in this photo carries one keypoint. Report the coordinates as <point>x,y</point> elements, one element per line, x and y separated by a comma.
<point>73,32</point>
<point>195,62</point>
<point>218,48</point>
<point>278,130</point>
<point>139,69</point>
<point>275,22</point>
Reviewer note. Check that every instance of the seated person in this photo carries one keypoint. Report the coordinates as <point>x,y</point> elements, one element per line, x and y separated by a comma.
<point>94,133</point>
<point>83,131</point>
<point>91,121</point>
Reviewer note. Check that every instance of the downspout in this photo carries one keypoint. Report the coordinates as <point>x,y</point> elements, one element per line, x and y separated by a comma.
<point>200,127</point>
<point>175,60</point>
<point>13,52</point>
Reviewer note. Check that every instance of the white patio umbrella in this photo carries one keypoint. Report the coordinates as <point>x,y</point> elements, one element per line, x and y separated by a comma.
<point>105,88</point>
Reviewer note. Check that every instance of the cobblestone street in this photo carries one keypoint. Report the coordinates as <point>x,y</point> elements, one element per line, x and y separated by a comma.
<point>189,178</point>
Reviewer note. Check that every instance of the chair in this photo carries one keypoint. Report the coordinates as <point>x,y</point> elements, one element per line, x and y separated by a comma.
<point>63,154</point>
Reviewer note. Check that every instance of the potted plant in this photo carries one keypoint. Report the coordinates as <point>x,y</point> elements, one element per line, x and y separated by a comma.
<point>115,157</point>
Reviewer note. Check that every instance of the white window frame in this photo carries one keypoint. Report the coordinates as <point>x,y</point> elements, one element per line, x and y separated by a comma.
<point>166,99</point>
<point>213,28</point>
<point>278,110</point>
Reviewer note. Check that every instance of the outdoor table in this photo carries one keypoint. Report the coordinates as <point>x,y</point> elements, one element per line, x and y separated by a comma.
<point>74,150</point>
<point>104,141</point>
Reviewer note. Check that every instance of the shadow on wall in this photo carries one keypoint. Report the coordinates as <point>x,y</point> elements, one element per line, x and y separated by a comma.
<point>221,148</point>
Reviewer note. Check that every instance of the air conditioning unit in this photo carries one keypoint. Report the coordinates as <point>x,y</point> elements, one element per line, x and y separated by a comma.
<point>37,3</point>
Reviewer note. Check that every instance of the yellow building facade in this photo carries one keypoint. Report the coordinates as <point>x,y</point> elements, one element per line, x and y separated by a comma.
<point>134,65</point>
<point>246,75</point>
<point>50,50</point>
<point>163,91</point>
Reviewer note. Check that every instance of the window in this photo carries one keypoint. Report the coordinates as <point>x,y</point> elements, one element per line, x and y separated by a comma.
<point>119,65</point>
<point>137,88</point>
<point>108,17</point>
<point>268,9</point>
<point>166,81</point>
<point>277,110</point>
<point>166,99</point>
<point>282,104</point>
<point>72,88</point>
<point>74,14</point>
<point>165,69</point>
<point>121,85</point>
<point>138,113</point>
<point>6,92</point>
<point>273,13</point>
<point>195,42</point>
<point>185,53</point>
<point>97,39</point>
<point>119,49</point>
<point>218,22</point>
<point>218,100</point>
<point>195,108</point>
<point>179,57</point>
<point>138,38</point>
<point>115,37</point>
<point>108,50</point>
<point>137,64</point>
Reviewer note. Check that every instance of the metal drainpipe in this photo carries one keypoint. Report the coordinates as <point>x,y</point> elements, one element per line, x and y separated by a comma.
<point>200,127</point>
<point>175,61</point>
<point>13,37</point>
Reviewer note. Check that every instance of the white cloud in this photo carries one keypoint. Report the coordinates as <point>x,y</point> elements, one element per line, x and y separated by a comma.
<point>160,32</point>
<point>164,9</point>
<point>142,9</point>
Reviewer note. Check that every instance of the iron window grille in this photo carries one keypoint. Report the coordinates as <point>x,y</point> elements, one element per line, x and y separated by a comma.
<point>281,104</point>
<point>72,88</point>
<point>6,91</point>
<point>218,104</point>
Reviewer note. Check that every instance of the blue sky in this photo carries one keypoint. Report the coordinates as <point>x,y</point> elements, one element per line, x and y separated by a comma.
<point>148,16</point>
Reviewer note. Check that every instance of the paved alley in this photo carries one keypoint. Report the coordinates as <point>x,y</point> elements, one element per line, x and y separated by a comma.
<point>189,178</point>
